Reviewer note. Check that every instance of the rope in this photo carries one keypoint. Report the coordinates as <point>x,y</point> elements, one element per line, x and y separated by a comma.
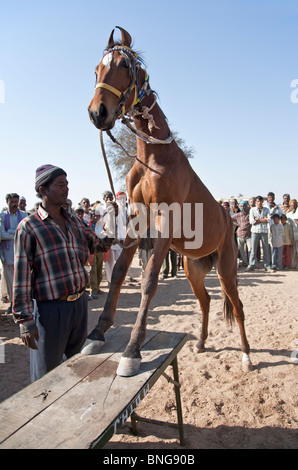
<point>107,164</point>
<point>145,115</point>
<point>147,138</point>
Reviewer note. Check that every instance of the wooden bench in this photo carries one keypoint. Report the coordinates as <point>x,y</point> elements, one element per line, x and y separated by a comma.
<point>82,403</point>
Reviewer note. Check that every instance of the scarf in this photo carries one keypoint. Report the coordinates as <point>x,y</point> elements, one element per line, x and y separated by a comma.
<point>6,243</point>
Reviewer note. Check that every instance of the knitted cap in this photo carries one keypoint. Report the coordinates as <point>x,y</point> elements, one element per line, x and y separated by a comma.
<point>45,174</point>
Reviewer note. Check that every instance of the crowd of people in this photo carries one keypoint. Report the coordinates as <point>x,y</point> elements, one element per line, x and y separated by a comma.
<point>45,253</point>
<point>261,219</point>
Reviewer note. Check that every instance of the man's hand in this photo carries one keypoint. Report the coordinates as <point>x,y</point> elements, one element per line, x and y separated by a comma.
<point>29,334</point>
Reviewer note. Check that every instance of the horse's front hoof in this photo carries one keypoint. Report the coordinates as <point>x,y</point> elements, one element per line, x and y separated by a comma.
<point>92,346</point>
<point>128,366</point>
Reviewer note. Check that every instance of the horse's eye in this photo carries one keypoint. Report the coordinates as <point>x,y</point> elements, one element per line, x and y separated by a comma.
<point>124,64</point>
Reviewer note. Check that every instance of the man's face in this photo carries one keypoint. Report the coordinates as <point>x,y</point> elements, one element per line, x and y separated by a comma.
<point>57,191</point>
<point>85,204</point>
<point>259,203</point>
<point>244,208</point>
<point>270,199</point>
<point>22,204</point>
<point>293,206</point>
<point>13,204</point>
<point>286,200</point>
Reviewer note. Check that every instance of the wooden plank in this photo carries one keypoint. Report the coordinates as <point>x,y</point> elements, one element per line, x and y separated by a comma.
<point>101,399</point>
<point>17,410</point>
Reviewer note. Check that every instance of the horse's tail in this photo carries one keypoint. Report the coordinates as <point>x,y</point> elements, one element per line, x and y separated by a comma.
<point>228,309</point>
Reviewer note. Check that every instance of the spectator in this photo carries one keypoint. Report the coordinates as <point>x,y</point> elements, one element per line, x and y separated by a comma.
<point>241,220</point>
<point>272,206</point>
<point>259,219</point>
<point>67,206</point>
<point>285,207</point>
<point>171,255</point>
<point>295,243</point>
<point>277,242</point>
<point>290,216</point>
<point>226,206</point>
<point>288,241</point>
<point>79,211</point>
<point>85,203</point>
<point>51,249</point>
<point>9,220</point>
<point>252,202</point>
<point>234,206</point>
<point>22,204</point>
<point>109,224</point>
<point>97,265</point>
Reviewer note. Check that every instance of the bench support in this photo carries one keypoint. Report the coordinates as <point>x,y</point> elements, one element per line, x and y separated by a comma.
<point>135,417</point>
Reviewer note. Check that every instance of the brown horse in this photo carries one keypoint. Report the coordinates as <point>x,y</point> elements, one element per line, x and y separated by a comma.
<point>161,174</point>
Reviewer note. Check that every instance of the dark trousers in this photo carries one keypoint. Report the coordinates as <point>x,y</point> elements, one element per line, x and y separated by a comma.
<point>62,328</point>
<point>166,264</point>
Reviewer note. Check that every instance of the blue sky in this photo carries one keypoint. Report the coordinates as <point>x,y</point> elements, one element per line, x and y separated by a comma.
<point>222,69</point>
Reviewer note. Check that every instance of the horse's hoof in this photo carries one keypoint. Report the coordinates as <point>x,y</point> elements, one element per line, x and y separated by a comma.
<point>200,347</point>
<point>128,366</point>
<point>246,363</point>
<point>92,346</point>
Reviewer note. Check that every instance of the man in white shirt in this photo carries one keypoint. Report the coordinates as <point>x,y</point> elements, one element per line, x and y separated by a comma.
<point>272,206</point>
<point>259,219</point>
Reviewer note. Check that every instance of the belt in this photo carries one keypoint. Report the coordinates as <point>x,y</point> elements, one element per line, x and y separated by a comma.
<point>72,297</point>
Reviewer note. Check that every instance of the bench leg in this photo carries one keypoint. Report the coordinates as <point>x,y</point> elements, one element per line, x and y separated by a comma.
<point>178,401</point>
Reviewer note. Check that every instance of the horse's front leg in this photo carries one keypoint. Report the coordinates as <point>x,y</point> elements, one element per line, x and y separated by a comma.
<point>95,339</point>
<point>131,359</point>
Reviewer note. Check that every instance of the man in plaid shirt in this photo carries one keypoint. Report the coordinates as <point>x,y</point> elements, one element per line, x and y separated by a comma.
<point>51,249</point>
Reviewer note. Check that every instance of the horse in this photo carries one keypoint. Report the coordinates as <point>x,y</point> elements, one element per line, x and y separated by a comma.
<point>161,176</point>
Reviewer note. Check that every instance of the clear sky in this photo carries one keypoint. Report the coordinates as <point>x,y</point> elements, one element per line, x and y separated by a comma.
<point>222,70</point>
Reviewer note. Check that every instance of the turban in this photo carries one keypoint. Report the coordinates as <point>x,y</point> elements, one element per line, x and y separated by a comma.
<point>293,200</point>
<point>120,193</point>
<point>45,174</point>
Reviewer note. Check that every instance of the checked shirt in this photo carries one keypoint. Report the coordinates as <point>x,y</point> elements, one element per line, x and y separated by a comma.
<point>49,264</point>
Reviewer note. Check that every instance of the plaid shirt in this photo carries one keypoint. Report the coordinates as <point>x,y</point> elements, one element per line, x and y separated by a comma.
<point>254,214</point>
<point>241,220</point>
<point>49,264</point>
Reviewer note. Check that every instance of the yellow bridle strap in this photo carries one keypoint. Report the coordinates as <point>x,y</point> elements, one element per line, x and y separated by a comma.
<point>117,92</point>
<point>110,88</point>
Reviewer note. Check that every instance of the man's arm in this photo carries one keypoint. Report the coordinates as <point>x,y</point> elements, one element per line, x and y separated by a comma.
<point>23,305</point>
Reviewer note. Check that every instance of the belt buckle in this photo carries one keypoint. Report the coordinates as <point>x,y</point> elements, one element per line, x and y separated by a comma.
<point>72,297</point>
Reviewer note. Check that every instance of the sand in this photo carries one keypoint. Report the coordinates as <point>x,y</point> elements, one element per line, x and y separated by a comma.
<point>223,407</point>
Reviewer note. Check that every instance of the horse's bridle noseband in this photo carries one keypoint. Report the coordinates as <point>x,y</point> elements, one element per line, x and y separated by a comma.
<point>134,65</point>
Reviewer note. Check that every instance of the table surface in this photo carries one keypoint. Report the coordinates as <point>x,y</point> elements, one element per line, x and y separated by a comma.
<point>84,401</point>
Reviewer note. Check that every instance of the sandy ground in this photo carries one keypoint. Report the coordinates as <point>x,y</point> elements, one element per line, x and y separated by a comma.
<point>223,407</point>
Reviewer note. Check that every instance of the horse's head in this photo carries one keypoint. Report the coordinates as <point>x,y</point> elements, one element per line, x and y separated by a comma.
<point>117,82</point>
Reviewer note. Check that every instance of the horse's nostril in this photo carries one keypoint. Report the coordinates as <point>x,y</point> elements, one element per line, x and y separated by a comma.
<point>98,116</point>
<point>102,112</point>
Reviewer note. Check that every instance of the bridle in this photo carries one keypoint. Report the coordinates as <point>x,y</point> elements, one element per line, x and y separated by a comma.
<point>131,59</point>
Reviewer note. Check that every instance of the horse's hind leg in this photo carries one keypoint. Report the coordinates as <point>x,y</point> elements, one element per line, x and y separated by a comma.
<point>227,273</point>
<point>196,271</point>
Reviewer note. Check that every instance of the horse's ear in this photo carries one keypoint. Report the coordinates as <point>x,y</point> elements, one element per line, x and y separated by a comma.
<point>111,42</point>
<point>126,38</point>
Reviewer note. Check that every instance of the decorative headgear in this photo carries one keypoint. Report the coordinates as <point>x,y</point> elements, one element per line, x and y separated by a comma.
<point>45,174</point>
